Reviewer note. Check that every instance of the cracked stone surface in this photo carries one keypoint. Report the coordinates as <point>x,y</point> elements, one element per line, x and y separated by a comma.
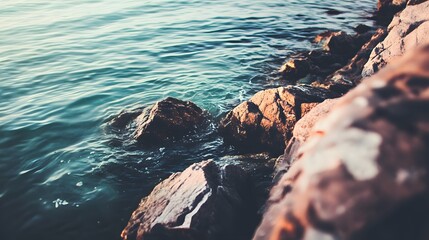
<point>265,122</point>
<point>349,76</point>
<point>407,31</point>
<point>203,202</point>
<point>363,173</point>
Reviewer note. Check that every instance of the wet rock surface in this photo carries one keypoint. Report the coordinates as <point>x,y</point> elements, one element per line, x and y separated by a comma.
<point>164,121</point>
<point>350,75</point>
<point>205,201</point>
<point>265,122</point>
<point>363,172</point>
<point>407,31</point>
<point>337,49</point>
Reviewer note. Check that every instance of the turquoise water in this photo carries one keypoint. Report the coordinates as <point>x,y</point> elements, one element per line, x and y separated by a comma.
<point>66,67</point>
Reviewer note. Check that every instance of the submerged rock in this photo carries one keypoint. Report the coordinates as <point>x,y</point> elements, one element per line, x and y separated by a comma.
<point>363,173</point>
<point>166,120</point>
<point>265,122</point>
<point>407,31</point>
<point>203,202</point>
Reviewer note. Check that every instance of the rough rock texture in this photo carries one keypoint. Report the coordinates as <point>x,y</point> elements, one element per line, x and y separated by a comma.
<point>407,31</point>
<point>364,172</point>
<point>338,48</point>
<point>300,134</point>
<point>386,9</point>
<point>349,76</point>
<point>266,121</point>
<point>203,202</point>
<point>167,119</point>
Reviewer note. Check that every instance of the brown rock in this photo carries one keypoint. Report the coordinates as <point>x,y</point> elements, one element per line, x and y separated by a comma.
<point>203,202</point>
<point>407,31</point>
<point>168,119</point>
<point>364,172</point>
<point>266,121</point>
<point>301,132</point>
<point>349,76</point>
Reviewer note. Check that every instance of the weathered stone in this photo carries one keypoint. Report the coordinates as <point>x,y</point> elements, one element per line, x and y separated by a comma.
<point>361,28</point>
<point>168,119</point>
<point>266,121</point>
<point>386,9</point>
<point>295,69</point>
<point>407,31</point>
<point>349,76</point>
<point>340,43</point>
<point>364,172</point>
<point>203,202</point>
<point>301,132</point>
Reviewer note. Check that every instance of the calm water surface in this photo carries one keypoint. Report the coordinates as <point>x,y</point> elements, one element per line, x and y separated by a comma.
<point>66,67</point>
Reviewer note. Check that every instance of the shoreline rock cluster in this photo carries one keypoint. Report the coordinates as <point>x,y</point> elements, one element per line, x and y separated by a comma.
<point>354,162</point>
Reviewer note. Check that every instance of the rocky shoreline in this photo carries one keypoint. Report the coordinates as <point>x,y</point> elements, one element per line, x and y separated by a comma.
<point>354,162</point>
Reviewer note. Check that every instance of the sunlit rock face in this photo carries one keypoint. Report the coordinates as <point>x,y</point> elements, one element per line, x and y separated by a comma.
<point>363,171</point>
<point>265,122</point>
<point>408,30</point>
<point>203,202</point>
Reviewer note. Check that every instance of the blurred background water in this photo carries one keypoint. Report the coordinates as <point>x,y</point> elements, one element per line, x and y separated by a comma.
<point>68,66</point>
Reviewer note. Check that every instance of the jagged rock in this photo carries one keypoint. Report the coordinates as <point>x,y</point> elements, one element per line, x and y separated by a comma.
<point>266,121</point>
<point>166,120</point>
<point>203,202</point>
<point>301,132</point>
<point>349,76</point>
<point>364,172</point>
<point>295,69</point>
<point>407,31</point>
<point>338,48</point>
<point>338,43</point>
<point>386,9</point>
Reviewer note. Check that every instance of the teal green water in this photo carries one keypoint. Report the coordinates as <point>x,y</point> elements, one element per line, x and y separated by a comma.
<point>68,66</point>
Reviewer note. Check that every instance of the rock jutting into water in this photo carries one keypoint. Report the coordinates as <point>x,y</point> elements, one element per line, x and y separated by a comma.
<point>203,202</point>
<point>363,172</point>
<point>165,120</point>
<point>265,122</point>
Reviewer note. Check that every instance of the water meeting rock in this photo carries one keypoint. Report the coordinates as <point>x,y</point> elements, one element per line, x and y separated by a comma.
<point>205,201</point>
<point>265,122</point>
<point>363,172</point>
<point>161,122</point>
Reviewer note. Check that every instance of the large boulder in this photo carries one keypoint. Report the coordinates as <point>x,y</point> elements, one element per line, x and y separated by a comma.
<point>265,122</point>
<point>364,171</point>
<point>407,31</point>
<point>205,201</point>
